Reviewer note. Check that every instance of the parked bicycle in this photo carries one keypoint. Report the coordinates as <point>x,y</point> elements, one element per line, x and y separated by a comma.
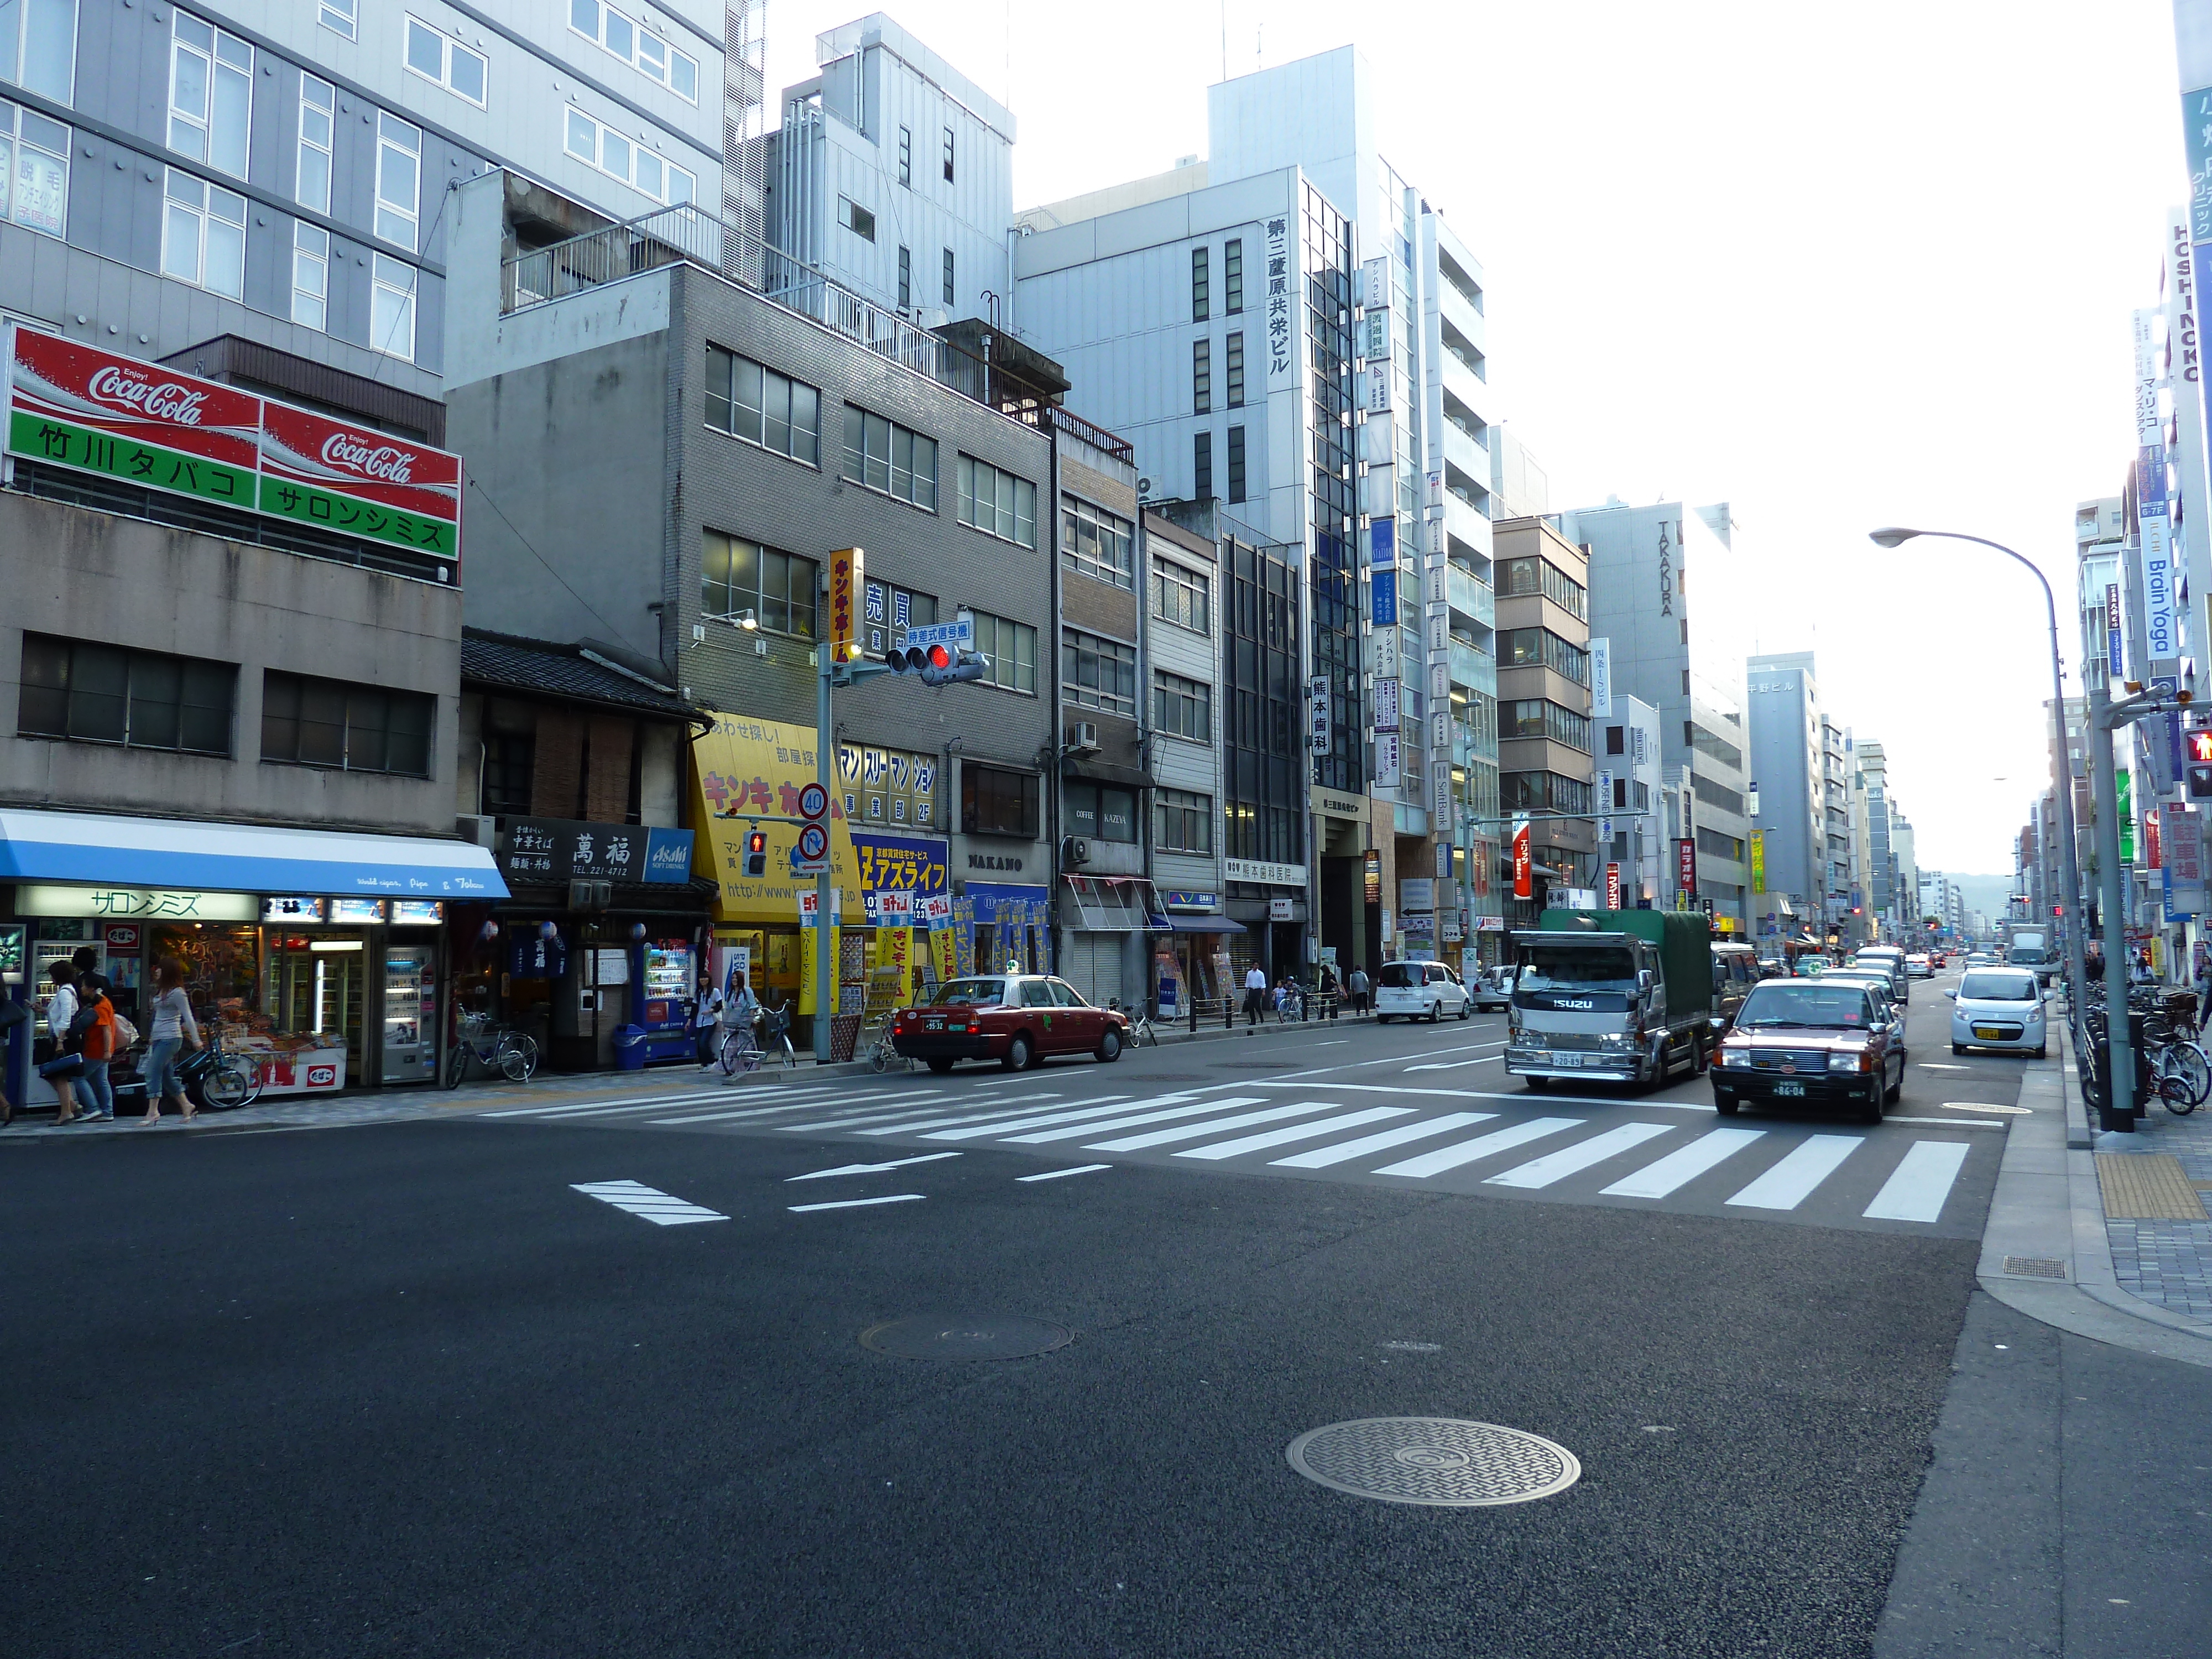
<point>493,1045</point>
<point>740,1051</point>
<point>229,1079</point>
<point>2175,1068</point>
<point>1140,1023</point>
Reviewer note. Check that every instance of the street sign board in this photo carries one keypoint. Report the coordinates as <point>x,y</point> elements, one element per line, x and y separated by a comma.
<point>813,802</point>
<point>961,633</point>
<point>810,854</point>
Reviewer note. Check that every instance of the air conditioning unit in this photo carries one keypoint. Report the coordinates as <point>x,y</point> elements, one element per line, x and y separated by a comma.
<point>1076,851</point>
<point>1083,737</point>
<point>483,831</point>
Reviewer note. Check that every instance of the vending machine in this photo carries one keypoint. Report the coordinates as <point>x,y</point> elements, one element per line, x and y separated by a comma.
<point>410,1013</point>
<point>664,984</point>
<point>44,953</point>
<point>14,1040</point>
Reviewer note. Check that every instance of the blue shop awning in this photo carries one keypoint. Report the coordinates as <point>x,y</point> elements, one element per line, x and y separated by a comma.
<point>90,849</point>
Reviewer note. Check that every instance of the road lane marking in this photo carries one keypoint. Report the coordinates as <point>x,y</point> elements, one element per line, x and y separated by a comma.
<point>1054,1174</point>
<point>1984,1106</point>
<point>662,1209</point>
<point>855,1203</point>
<point>1683,1165</point>
<point>1119,1121</point>
<point>1193,1131</point>
<point>1345,1151</point>
<point>1955,1122</point>
<point>1933,1066</point>
<point>1915,1189</point>
<point>1811,1162</point>
<point>1466,1152</point>
<point>1455,1065</point>
<point>1261,1142</point>
<point>906,1112</point>
<point>1086,1118</point>
<point>1569,1160</point>
<point>718,1117</point>
<point>870,1169</point>
<point>590,1106</point>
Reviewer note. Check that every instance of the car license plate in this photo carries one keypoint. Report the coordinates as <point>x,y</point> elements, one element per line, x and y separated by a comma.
<point>932,1025</point>
<point>1570,1062</point>
<point>1790,1089</point>
<point>1987,1031</point>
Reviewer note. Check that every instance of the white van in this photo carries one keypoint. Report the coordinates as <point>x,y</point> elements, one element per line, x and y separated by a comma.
<point>1419,990</point>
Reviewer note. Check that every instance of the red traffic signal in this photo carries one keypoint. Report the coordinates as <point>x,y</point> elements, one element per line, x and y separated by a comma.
<point>756,853</point>
<point>2200,746</point>
<point>937,664</point>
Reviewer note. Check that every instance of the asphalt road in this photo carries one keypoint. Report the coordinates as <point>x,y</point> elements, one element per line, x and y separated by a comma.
<point>404,1389</point>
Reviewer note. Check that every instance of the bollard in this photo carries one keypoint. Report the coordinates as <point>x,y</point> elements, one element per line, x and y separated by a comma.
<point>1194,1014</point>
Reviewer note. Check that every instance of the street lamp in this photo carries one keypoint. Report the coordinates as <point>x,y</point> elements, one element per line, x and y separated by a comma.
<point>2076,959</point>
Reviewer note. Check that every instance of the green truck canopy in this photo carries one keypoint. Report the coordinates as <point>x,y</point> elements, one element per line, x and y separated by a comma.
<point>1684,939</point>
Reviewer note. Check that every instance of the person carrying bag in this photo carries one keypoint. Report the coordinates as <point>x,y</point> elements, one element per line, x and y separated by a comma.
<point>68,1063</point>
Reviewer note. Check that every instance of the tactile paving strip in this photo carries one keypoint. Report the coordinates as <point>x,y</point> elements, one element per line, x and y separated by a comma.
<point>2148,1186</point>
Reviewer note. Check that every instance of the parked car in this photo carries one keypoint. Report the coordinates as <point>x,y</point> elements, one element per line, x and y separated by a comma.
<point>1999,1008</point>
<point>1016,1020</point>
<point>1493,988</point>
<point>1822,1044</point>
<point>1419,990</point>
<point>1919,965</point>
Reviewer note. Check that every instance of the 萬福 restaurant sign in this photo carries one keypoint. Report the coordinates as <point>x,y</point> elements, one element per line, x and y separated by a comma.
<point>76,406</point>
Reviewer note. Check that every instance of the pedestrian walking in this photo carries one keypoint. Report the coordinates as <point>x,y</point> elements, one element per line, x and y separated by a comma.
<point>95,1027</point>
<point>1359,986</point>
<point>1255,994</point>
<point>1329,991</point>
<point>745,1009</point>
<point>66,1064</point>
<point>2203,985</point>
<point>707,1021</point>
<point>173,1029</point>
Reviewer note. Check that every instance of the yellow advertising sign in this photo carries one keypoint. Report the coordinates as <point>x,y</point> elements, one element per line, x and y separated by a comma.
<point>848,576</point>
<point>1758,861</point>
<point>742,765</point>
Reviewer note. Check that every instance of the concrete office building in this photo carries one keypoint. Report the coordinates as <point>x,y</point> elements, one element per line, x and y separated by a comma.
<point>1640,558</point>
<point>276,171</point>
<point>1796,753</point>
<point>1544,727</point>
<point>1876,813</point>
<point>1630,789</point>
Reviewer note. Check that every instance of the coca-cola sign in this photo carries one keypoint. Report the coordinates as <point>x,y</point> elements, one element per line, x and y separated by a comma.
<point>59,380</point>
<point>383,461</point>
<point>158,400</point>
<point>341,459</point>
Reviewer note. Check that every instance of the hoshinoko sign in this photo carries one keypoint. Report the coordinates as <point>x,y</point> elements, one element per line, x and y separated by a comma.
<point>73,405</point>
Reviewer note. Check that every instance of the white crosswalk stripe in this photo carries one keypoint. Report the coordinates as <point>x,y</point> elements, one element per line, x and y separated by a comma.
<point>1499,1140</point>
<point>1212,1125</point>
<point>661,1208</point>
<point>1685,1165</point>
<point>1790,1181</point>
<point>1570,1160</point>
<point>1087,1116</point>
<point>1323,1157</point>
<point>1120,1122</point>
<point>1915,1189</point>
<point>1327,1125</point>
<point>906,1115</point>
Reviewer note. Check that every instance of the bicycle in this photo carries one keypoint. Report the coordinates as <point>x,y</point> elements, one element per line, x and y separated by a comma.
<point>882,1055</point>
<point>229,1080</point>
<point>776,1039</point>
<point>739,1051</point>
<point>1140,1023</point>
<point>492,1045</point>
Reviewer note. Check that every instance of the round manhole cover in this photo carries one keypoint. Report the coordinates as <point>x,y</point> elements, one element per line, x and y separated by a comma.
<point>1434,1459</point>
<point>965,1336</point>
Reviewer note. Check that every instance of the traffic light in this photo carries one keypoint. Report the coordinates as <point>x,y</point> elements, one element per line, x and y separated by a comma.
<point>2199,766</point>
<point>938,664</point>
<point>756,851</point>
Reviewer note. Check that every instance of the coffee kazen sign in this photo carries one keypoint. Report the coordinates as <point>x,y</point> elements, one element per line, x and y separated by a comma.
<point>78,406</point>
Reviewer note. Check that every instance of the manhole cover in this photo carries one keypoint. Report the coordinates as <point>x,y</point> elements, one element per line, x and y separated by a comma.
<point>965,1336</point>
<point>2034,1266</point>
<point>1434,1459</point>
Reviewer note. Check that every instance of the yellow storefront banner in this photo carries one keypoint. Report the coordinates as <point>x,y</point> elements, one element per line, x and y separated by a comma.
<point>743,765</point>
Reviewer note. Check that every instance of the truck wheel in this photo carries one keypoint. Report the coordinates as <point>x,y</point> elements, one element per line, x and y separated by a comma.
<point>1702,1057</point>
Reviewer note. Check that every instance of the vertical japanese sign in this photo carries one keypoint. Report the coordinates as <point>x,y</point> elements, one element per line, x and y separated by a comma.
<point>1281,280</point>
<point>1601,673</point>
<point>2153,553</point>
<point>2115,658</point>
<point>848,577</point>
<point>1383,592</point>
<point>1317,716</point>
<point>1524,864</point>
<point>1758,861</point>
<point>1612,887</point>
<point>1685,866</point>
<point>2125,779</point>
<point>2191,511</point>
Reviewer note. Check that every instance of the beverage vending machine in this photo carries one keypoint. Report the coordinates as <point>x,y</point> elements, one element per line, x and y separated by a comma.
<point>663,985</point>
<point>410,1013</point>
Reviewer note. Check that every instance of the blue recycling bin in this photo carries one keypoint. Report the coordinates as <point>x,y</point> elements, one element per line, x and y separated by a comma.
<point>630,1048</point>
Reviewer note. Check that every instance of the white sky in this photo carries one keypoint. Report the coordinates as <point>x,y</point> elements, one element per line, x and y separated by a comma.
<point>1838,266</point>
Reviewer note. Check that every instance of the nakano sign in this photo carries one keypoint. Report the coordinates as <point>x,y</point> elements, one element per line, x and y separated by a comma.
<point>76,406</point>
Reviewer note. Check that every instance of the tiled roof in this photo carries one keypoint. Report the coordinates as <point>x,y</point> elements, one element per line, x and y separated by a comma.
<point>561,671</point>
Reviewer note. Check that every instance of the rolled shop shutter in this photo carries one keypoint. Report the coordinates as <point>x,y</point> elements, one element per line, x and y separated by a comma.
<point>1094,966</point>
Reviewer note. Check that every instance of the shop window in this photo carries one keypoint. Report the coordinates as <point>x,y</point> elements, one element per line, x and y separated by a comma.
<point>737,575</point>
<point>306,721</point>
<point>140,699</point>
<point>998,803</point>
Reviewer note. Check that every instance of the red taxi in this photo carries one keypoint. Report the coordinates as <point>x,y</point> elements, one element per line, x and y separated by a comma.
<point>1016,1020</point>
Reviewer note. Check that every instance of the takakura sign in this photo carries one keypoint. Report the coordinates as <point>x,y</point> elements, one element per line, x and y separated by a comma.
<point>76,406</point>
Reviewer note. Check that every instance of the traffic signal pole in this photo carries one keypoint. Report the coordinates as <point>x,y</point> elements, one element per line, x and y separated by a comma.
<point>825,970</point>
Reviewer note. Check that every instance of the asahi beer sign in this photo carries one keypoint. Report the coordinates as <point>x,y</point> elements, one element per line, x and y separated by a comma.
<point>76,406</point>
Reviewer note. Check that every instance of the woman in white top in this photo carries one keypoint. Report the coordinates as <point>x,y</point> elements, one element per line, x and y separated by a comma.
<point>174,1026</point>
<point>61,1009</point>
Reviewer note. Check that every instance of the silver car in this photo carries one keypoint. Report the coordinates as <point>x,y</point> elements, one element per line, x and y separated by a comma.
<point>1999,1008</point>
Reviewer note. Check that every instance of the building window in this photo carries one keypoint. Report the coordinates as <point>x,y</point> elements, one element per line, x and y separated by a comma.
<point>1182,707</point>
<point>1232,279</point>
<point>637,45</point>
<point>306,721</point>
<point>1535,717</point>
<point>997,504</point>
<point>906,278</point>
<point>1201,465</point>
<point>210,94</point>
<point>1236,463</point>
<point>948,156</point>
<point>34,156</point>
<point>906,156</point>
<point>949,290</point>
<point>399,180</point>
<point>885,455</point>
<point>614,154</point>
<point>737,575</point>
<point>1099,544</point>
<point>1201,377</point>
<point>856,219</point>
<point>1181,597</point>
<point>1236,366</point>
<point>749,401</point>
<point>438,56</point>
<point>1182,822</point>
<point>1201,287</point>
<point>38,46</point>
<point>203,235</point>
<point>998,803</point>
<point>311,275</point>
<point>392,306</point>
<point>510,768</point>
<point>311,187</point>
<point>140,699</point>
<point>889,610</point>
<point>1524,576</point>
<point>1539,648</point>
<point>1616,739</point>
<point>1097,673</point>
<point>1010,648</point>
<point>1542,792</point>
<point>339,15</point>
<point>1100,812</point>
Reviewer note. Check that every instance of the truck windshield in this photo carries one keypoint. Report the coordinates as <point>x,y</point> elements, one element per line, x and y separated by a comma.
<point>1545,968</point>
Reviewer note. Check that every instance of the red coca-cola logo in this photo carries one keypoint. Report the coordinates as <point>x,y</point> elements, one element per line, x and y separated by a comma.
<point>321,1077</point>
<point>383,461</point>
<point>158,400</point>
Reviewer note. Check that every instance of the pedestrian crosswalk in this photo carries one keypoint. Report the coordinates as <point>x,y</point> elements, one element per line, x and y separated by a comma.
<point>1620,1153</point>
